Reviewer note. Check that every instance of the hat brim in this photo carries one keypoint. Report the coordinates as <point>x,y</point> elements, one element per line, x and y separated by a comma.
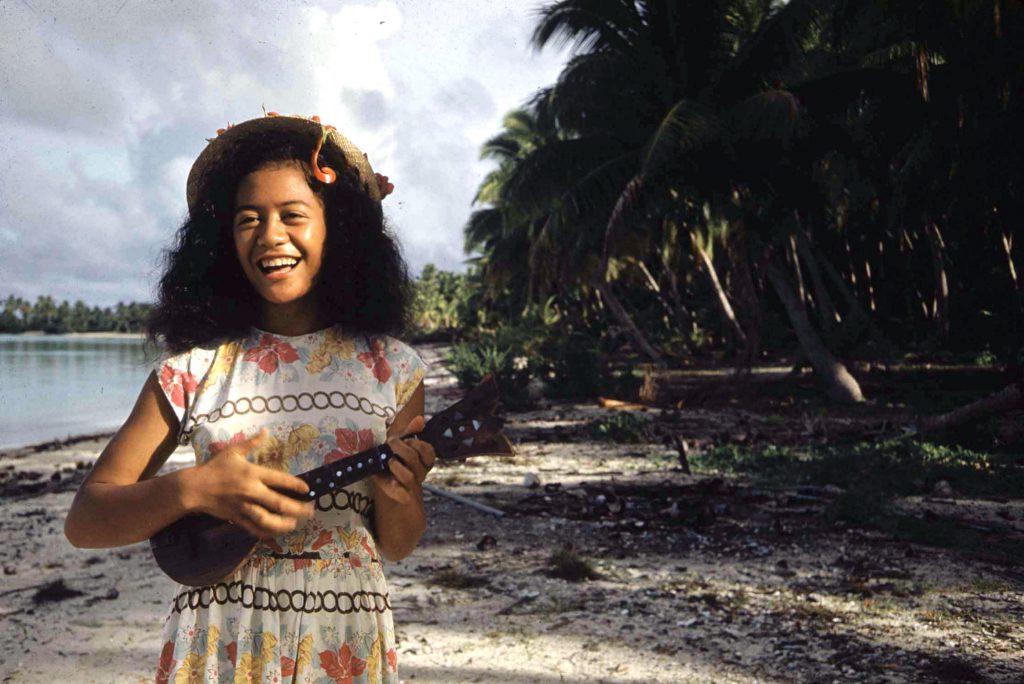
<point>221,146</point>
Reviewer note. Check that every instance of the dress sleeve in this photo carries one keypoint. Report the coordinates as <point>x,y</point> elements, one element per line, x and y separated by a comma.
<point>178,381</point>
<point>409,368</point>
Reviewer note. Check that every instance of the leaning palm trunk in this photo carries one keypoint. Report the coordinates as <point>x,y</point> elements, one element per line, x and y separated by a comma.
<point>829,316</point>
<point>940,303</point>
<point>724,307</point>
<point>839,383</point>
<point>626,321</point>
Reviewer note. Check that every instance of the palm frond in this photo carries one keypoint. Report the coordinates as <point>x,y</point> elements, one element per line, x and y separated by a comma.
<point>778,43</point>
<point>542,178</point>
<point>687,127</point>
<point>774,116</point>
<point>483,229</point>
<point>587,24</point>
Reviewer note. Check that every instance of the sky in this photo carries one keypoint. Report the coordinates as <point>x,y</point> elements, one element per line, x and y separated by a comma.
<point>104,106</point>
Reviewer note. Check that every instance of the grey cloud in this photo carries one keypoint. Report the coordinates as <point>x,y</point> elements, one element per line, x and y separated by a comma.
<point>370,107</point>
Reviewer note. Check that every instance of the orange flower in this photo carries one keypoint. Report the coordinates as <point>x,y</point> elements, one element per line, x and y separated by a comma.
<point>176,383</point>
<point>167,663</point>
<point>269,352</point>
<point>342,666</point>
<point>377,359</point>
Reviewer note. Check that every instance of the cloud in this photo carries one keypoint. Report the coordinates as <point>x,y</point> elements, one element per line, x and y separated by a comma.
<point>103,107</point>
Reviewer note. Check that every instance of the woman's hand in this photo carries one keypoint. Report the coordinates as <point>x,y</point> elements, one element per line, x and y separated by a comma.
<point>231,488</point>
<point>415,459</point>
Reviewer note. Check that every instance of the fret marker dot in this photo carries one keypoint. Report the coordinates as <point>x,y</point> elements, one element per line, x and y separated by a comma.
<point>337,474</point>
<point>350,469</point>
<point>359,465</point>
<point>332,485</point>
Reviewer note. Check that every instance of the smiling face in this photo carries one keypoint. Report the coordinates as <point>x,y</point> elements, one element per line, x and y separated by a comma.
<point>279,232</point>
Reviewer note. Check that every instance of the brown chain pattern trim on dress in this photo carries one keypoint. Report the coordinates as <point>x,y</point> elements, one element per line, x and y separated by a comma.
<point>281,600</point>
<point>289,403</point>
<point>342,499</point>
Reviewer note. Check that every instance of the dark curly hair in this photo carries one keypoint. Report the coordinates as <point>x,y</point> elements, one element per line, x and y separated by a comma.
<point>204,296</point>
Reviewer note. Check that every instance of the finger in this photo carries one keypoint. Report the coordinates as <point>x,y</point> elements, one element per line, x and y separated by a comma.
<point>401,473</point>
<point>256,440</point>
<point>268,524</point>
<point>281,480</point>
<point>414,425</point>
<point>407,457</point>
<point>425,452</point>
<point>391,488</point>
<point>283,505</point>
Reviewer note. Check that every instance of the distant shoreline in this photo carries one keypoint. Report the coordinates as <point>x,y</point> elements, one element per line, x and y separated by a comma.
<point>53,444</point>
<point>42,333</point>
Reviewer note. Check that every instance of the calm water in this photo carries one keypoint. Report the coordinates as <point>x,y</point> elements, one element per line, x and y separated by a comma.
<point>54,386</point>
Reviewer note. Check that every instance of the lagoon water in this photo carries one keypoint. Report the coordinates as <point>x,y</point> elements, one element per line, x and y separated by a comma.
<point>56,386</point>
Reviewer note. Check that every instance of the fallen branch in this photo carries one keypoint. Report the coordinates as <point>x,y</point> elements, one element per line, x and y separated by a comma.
<point>47,583</point>
<point>1003,400</point>
<point>464,500</point>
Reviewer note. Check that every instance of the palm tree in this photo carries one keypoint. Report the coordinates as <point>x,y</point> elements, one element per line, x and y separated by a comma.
<point>700,121</point>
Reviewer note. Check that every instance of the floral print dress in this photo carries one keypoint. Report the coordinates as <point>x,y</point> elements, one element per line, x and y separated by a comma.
<point>311,605</point>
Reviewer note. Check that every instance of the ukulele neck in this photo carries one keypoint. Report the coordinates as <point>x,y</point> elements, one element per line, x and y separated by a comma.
<point>331,477</point>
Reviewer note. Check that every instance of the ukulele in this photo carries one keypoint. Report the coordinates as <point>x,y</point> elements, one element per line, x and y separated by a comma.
<point>200,549</point>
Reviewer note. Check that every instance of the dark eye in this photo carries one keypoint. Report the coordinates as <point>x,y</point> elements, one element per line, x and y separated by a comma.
<point>243,221</point>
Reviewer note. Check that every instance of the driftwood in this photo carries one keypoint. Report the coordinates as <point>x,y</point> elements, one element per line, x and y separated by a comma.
<point>665,387</point>
<point>1006,399</point>
<point>464,500</point>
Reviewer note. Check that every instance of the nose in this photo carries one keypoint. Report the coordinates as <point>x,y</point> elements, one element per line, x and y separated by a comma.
<point>273,232</point>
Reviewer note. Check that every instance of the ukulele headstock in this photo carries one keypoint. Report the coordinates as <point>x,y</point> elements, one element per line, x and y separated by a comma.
<point>469,427</point>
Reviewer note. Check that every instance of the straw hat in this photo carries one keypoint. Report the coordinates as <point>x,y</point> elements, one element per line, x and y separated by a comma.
<point>220,147</point>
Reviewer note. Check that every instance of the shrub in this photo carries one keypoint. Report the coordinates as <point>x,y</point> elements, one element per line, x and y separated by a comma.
<point>622,427</point>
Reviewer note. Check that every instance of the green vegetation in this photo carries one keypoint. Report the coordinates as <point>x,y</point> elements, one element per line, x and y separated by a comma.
<point>872,475</point>
<point>621,427</point>
<point>454,579</point>
<point>568,565</point>
<point>46,315</point>
<point>893,467</point>
<point>828,179</point>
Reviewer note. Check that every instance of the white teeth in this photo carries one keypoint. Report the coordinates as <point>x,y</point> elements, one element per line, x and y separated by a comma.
<point>280,261</point>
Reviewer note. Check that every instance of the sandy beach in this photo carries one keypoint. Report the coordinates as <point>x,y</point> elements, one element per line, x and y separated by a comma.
<point>758,592</point>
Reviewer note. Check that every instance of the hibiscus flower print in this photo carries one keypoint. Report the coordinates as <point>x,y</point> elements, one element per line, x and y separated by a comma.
<point>167,663</point>
<point>377,360</point>
<point>176,383</point>
<point>350,442</point>
<point>215,447</point>
<point>342,666</point>
<point>270,352</point>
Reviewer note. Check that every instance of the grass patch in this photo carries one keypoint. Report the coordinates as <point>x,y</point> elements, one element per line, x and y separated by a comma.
<point>454,579</point>
<point>568,565</point>
<point>621,427</point>
<point>873,474</point>
<point>987,585</point>
<point>890,468</point>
